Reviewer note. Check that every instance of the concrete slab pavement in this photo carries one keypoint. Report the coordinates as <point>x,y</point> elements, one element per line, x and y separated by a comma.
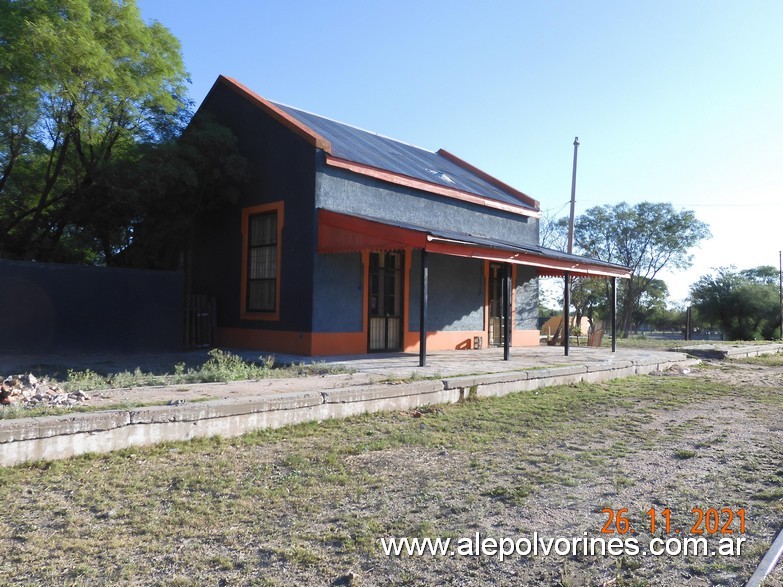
<point>374,383</point>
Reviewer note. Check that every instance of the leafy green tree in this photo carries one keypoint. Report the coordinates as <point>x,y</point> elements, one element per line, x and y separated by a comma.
<point>651,305</point>
<point>745,304</point>
<point>590,299</point>
<point>172,183</point>
<point>646,237</point>
<point>83,84</point>
<point>669,319</point>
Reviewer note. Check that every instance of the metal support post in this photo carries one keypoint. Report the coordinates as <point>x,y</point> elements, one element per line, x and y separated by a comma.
<point>614,314</point>
<point>423,308</point>
<point>567,312</point>
<point>507,314</point>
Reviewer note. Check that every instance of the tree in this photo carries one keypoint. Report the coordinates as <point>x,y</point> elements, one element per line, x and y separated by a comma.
<point>669,319</point>
<point>173,183</point>
<point>743,304</point>
<point>645,237</point>
<point>553,232</point>
<point>652,304</point>
<point>589,297</point>
<point>83,84</point>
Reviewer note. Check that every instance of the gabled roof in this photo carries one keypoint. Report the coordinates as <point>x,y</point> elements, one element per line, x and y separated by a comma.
<point>387,159</point>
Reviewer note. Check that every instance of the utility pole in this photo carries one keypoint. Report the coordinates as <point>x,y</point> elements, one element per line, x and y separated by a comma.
<point>567,294</point>
<point>780,278</point>
<point>573,201</point>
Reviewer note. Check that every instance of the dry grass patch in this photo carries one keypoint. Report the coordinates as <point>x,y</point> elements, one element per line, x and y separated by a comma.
<point>306,505</point>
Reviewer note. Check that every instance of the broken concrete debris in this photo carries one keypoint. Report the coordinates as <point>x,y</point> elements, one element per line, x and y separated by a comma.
<point>29,391</point>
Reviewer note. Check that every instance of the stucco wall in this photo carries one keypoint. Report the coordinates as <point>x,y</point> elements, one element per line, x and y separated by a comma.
<point>280,166</point>
<point>456,293</point>
<point>342,191</point>
<point>338,294</point>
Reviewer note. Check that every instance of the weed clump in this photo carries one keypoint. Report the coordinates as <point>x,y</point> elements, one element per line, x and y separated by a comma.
<point>219,367</point>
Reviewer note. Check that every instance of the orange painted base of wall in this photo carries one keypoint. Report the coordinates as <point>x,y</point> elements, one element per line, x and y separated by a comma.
<point>295,343</point>
<point>339,343</point>
<point>463,340</point>
<point>444,341</point>
<point>277,341</point>
<point>352,343</point>
<point>526,338</point>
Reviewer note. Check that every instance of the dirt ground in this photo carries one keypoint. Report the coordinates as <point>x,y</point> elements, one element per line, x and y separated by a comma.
<point>723,452</point>
<point>308,506</point>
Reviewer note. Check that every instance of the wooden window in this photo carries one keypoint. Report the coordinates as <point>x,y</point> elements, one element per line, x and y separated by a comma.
<point>262,263</point>
<point>261,236</point>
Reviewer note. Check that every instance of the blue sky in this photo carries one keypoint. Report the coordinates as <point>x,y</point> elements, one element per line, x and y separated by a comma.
<point>676,101</point>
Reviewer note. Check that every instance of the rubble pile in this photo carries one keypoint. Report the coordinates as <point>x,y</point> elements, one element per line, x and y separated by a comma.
<point>28,391</point>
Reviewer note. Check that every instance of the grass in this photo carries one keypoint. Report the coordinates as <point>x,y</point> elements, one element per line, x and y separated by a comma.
<point>767,360</point>
<point>307,504</point>
<point>642,341</point>
<point>683,454</point>
<point>220,367</point>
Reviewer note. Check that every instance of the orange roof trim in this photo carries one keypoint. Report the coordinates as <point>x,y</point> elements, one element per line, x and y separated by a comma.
<point>433,188</point>
<point>488,178</point>
<point>281,116</point>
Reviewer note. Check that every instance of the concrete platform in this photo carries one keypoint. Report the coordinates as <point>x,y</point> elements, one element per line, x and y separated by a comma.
<point>451,363</point>
<point>377,383</point>
<point>731,351</point>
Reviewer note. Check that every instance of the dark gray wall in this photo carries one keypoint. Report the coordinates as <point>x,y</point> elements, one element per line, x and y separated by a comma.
<point>343,191</point>
<point>280,166</point>
<point>338,294</point>
<point>456,293</point>
<point>48,307</point>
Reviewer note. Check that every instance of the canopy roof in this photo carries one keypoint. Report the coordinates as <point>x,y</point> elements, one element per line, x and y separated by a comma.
<point>343,233</point>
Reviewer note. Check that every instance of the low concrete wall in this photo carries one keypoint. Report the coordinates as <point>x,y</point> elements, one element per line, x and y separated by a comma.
<point>728,351</point>
<point>57,437</point>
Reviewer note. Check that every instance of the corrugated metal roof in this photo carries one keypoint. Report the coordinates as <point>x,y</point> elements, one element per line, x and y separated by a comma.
<point>368,148</point>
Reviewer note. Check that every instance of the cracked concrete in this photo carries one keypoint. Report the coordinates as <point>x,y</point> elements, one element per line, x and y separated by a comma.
<point>380,383</point>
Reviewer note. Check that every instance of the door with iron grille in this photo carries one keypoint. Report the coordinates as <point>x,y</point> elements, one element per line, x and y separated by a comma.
<point>495,290</point>
<point>385,301</point>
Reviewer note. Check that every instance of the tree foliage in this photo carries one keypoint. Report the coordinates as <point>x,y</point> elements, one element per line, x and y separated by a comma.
<point>646,237</point>
<point>745,305</point>
<point>85,87</point>
<point>651,307</point>
<point>172,184</point>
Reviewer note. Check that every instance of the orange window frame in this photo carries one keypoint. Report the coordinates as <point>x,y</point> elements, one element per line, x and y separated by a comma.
<point>277,207</point>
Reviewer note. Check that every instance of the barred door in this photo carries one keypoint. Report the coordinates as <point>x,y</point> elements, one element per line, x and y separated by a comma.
<point>385,301</point>
<point>495,289</point>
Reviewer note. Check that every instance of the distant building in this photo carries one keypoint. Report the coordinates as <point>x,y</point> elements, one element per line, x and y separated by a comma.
<point>322,254</point>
